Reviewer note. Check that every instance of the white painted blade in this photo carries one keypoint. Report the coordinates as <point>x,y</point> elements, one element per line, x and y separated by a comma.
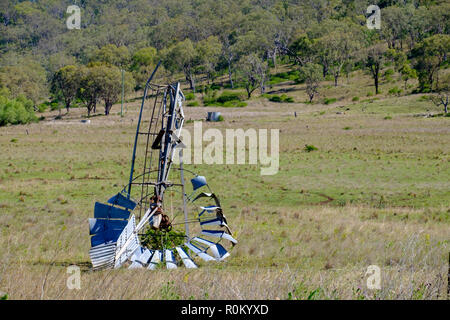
<point>102,256</point>
<point>188,262</point>
<point>170,259</point>
<point>199,252</point>
<point>219,234</point>
<point>216,248</point>
<point>127,243</point>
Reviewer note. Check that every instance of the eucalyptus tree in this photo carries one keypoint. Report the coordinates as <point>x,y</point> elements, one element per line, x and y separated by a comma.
<point>252,73</point>
<point>311,74</point>
<point>182,57</point>
<point>208,51</point>
<point>65,84</point>
<point>430,55</point>
<point>374,58</point>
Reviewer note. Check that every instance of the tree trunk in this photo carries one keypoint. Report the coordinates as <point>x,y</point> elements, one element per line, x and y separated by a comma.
<point>324,70</point>
<point>190,78</point>
<point>89,108</point>
<point>229,74</point>
<point>274,58</point>
<point>336,80</point>
<point>108,106</point>
<point>376,84</point>
<point>67,106</point>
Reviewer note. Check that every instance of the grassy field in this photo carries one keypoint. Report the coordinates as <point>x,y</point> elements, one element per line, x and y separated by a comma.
<point>376,191</point>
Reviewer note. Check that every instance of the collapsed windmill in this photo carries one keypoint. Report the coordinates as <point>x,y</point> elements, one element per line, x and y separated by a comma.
<point>145,233</point>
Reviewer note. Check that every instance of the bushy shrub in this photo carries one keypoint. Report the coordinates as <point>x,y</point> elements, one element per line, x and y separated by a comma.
<point>210,98</point>
<point>388,74</point>
<point>229,96</point>
<point>275,98</point>
<point>329,100</point>
<point>395,91</point>
<point>309,148</point>
<point>282,98</point>
<point>234,104</point>
<point>355,98</point>
<point>283,76</point>
<point>226,99</point>
<point>215,86</point>
<point>16,111</point>
<point>43,107</point>
<point>189,96</point>
<point>192,104</point>
<point>201,88</point>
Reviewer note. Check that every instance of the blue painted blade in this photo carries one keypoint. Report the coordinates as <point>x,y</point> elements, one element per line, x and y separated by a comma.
<point>105,237</point>
<point>120,200</point>
<point>101,225</point>
<point>187,260</point>
<point>219,234</point>
<point>104,211</point>
<point>198,182</point>
<point>220,252</point>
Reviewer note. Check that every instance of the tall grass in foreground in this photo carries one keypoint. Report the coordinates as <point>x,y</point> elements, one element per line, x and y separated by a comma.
<point>418,272</point>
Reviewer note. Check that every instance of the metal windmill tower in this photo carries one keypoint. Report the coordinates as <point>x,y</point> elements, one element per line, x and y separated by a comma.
<point>140,226</point>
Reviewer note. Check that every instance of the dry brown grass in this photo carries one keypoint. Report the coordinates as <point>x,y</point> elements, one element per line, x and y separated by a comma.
<point>388,180</point>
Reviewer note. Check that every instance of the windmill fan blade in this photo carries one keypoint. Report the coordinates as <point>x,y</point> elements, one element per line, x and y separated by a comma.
<point>170,260</point>
<point>208,195</point>
<point>108,236</point>
<point>102,256</point>
<point>209,209</point>
<point>198,182</point>
<point>199,252</point>
<point>214,222</point>
<point>102,225</point>
<point>155,260</point>
<point>216,248</point>
<point>127,243</point>
<point>120,200</point>
<point>187,260</point>
<point>140,258</point>
<point>104,211</point>
<point>219,234</point>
